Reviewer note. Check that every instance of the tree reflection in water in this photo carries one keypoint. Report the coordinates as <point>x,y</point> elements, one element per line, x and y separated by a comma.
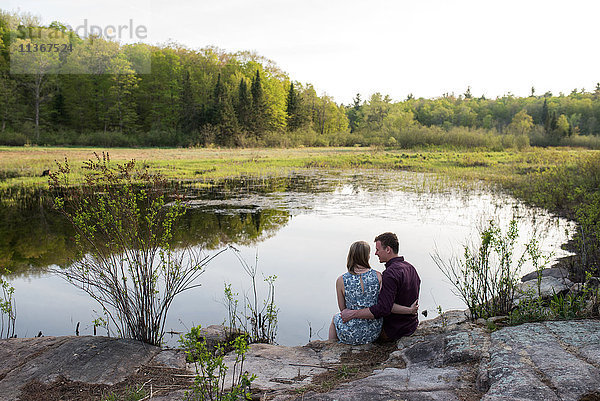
<point>34,236</point>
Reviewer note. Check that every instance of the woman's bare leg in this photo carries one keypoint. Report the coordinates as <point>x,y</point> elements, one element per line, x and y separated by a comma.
<point>332,332</point>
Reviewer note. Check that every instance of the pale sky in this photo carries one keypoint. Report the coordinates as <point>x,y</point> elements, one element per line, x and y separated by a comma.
<point>425,47</point>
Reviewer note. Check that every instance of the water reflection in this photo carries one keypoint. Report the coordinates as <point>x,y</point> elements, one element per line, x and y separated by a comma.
<point>32,235</point>
<point>300,225</point>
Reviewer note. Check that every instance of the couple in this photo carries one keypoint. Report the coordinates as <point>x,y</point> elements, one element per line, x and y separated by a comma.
<point>374,305</point>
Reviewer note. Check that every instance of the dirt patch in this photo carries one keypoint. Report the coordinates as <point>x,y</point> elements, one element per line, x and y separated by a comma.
<point>595,396</point>
<point>155,379</point>
<point>353,366</point>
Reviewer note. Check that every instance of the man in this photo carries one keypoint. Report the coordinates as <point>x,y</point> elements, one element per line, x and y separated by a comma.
<point>400,285</point>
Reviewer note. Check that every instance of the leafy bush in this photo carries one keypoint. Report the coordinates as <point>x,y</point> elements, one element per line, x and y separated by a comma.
<point>487,275</point>
<point>572,189</point>
<point>533,308</point>
<point>123,229</point>
<point>13,139</point>
<point>107,139</point>
<point>211,370</point>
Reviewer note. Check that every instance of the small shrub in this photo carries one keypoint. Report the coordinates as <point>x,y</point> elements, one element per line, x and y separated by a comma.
<point>487,275</point>
<point>123,227</point>
<point>532,308</point>
<point>8,309</point>
<point>529,309</point>
<point>209,383</point>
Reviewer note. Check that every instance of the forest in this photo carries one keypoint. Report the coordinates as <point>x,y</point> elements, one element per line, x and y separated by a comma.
<point>57,88</point>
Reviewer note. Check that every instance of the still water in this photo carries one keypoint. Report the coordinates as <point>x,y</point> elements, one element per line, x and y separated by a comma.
<point>298,228</point>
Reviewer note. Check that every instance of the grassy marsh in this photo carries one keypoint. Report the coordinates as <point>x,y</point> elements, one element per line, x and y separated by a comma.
<point>23,166</point>
<point>562,180</point>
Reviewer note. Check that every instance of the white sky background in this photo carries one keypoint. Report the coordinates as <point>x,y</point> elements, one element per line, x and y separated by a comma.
<point>425,47</point>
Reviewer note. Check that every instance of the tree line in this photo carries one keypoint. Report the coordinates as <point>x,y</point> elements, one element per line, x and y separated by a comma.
<point>94,91</point>
<point>148,95</point>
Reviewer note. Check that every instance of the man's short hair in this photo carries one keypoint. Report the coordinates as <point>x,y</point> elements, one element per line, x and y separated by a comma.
<point>388,239</point>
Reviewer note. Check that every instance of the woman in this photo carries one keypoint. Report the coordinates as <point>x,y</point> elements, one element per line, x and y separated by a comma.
<point>356,289</point>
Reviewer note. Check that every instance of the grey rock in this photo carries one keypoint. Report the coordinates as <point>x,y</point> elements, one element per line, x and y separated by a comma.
<point>582,338</point>
<point>535,361</point>
<point>576,289</point>
<point>95,360</point>
<point>497,319</point>
<point>465,346</point>
<point>556,272</point>
<point>447,321</point>
<point>285,368</point>
<point>417,383</point>
<point>482,381</point>
<point>217,334</point>
<point>170,358</point>
<point>451,361</point>
<point>548,287</point>
<point>428,350</point>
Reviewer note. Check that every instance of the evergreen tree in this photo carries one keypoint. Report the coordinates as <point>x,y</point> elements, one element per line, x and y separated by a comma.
<point>188,112</point>
<point>58,115</point>
<point>546,116</point>
<point>553,121</point>
<point>8,100</point>
<point>355,114</point>
<point>244,105</point>
<point>259,106</point>
<point>468,94</point>
<point>294,109</point>
<point>223,115</point>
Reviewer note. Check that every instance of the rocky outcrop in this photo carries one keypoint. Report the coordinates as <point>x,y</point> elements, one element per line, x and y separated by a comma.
<point>90,360</point>
<point>544,361</point>
<point>448,358</point>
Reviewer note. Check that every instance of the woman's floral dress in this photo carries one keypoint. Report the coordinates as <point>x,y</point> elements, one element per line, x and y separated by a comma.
<point>359,331</point>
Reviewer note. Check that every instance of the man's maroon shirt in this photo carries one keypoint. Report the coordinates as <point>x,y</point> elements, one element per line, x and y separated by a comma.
<point>400,284</point>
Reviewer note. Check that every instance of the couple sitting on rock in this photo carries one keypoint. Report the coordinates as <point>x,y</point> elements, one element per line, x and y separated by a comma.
<point>374,305</point>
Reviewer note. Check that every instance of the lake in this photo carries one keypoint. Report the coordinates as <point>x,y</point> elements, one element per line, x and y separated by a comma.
<point>298,227</point>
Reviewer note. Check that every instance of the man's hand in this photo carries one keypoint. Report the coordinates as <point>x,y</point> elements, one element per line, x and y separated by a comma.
<point>347,314</point>
<point>414,308</point>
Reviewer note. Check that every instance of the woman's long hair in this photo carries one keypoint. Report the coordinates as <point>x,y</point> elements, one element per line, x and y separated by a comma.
<point>358,255</point>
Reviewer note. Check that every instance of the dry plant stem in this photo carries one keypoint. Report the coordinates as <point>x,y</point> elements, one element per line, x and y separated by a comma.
<point>263,320</point>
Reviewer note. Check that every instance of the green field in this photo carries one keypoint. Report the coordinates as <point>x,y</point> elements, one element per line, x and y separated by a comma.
<point>23,166</point>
